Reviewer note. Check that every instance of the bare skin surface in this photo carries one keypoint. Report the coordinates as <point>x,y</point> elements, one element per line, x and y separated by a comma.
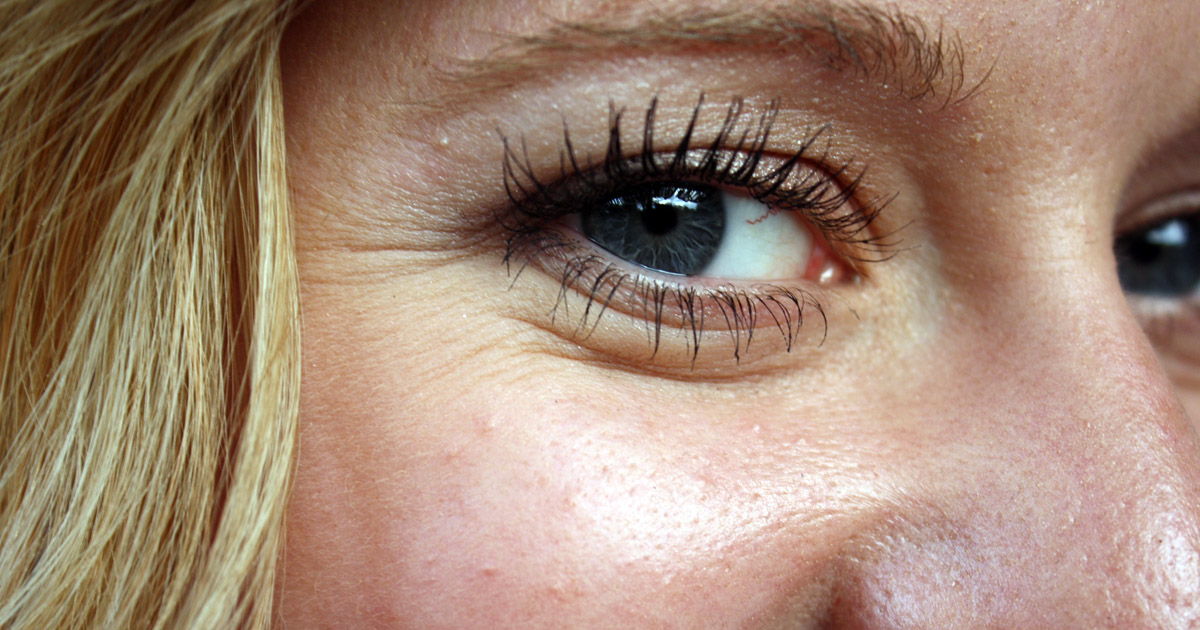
<point>982,431</point>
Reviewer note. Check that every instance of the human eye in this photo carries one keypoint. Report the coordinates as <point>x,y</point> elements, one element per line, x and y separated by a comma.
<point>706,232</point>
<point>1158,264</point>
<point>717,231</point>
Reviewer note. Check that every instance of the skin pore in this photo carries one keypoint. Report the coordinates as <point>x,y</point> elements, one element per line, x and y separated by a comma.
<point>973,426</point>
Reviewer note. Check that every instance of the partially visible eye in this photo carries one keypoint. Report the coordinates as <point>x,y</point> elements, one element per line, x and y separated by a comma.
<point>1162,259</point>
<point>701,230</point>
<point>1158,265</point>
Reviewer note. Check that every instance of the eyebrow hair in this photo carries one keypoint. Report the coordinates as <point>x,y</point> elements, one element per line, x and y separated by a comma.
<point>892,48</point>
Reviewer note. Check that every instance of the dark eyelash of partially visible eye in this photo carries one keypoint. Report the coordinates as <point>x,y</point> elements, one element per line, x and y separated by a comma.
<point>736,157</point>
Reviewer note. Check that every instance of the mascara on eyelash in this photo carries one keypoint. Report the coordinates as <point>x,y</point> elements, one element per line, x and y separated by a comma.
<point>738,157</point>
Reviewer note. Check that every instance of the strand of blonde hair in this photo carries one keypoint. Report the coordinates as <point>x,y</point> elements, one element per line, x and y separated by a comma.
<point>148,314</point>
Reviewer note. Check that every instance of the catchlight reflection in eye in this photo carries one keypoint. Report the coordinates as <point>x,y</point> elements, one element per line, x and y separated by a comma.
<point>700,230</point>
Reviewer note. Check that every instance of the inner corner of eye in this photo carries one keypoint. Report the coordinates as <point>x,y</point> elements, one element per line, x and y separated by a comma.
<point>761,243</point>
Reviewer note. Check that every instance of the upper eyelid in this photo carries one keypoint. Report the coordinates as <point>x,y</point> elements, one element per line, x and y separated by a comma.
<point>1158,209</point>
<point>735,155</point>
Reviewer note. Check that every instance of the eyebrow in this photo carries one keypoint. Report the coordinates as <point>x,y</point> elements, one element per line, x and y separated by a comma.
<point>892,48</point>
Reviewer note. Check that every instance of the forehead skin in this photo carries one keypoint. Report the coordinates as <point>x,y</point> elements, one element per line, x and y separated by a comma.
<point>985,440</point>
<point>1087,61</point>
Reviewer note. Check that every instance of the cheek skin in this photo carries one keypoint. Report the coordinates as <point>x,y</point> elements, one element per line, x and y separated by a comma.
<point>486,512</point>
<point>543,495</point>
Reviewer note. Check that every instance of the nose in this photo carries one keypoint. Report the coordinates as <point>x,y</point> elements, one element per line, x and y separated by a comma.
<point>1062,491</point>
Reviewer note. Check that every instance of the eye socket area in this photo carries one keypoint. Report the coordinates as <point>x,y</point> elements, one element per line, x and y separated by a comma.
<point>1158,266</point>
<point>709,233</point>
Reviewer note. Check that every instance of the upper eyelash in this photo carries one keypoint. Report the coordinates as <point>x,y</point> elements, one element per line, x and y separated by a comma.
<point>819,195</point>
<point>734,158</point>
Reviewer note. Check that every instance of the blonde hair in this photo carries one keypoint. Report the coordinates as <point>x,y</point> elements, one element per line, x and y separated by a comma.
<point>148,313</point>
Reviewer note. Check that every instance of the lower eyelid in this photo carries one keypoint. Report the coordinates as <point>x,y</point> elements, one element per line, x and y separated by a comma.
<point>592,287</point>
<point>1163,318</point>
<point>1173,328</point>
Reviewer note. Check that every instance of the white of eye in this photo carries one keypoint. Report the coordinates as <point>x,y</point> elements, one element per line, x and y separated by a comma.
<point>759,243</point>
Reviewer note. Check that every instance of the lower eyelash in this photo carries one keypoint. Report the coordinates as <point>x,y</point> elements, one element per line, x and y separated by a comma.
<point>739,312</point>
<point>1162,318</point>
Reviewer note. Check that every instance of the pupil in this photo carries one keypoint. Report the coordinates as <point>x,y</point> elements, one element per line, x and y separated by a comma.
<point>659,220</point>
<point>1142,252</point>
<point>665,226</point>
<point>1162,259</point>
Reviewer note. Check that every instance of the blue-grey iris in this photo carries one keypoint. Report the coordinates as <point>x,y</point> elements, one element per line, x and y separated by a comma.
<point>668,227</point>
